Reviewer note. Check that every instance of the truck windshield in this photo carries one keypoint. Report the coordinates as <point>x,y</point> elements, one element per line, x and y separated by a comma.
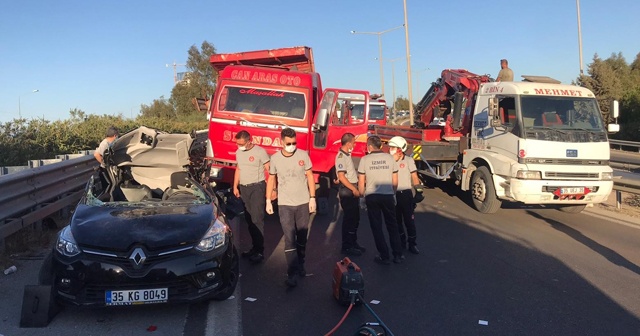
<point>376,112</point>
<point>565,113</point>
<point>260,101</point>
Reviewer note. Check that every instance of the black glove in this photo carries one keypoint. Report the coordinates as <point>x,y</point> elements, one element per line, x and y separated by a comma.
<point>418,197</point>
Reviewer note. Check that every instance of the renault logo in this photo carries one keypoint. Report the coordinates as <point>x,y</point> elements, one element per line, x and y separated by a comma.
<point>138,257</point>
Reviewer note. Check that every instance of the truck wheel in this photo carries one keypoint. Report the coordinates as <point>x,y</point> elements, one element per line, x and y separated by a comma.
<point>572,208</point>
<point>483,194</point>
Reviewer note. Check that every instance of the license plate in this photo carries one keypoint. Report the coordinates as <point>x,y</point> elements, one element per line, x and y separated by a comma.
<point>572,191</point>
<point>135,297</point>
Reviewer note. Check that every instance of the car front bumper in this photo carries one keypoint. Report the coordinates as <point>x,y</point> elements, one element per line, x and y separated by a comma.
<point>85,279</point>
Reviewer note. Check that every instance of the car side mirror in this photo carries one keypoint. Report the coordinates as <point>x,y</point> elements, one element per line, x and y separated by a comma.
<point>321,119</point>
<point>613,128</point>
<point>494,116</point>
<point>615,109</point>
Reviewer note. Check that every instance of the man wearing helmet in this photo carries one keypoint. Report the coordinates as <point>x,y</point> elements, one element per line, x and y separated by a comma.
<point>407,178</point>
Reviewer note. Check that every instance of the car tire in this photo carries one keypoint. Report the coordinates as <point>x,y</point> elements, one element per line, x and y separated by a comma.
<point>234,276</point>
<point>483,193</point>
<point>572,208</point>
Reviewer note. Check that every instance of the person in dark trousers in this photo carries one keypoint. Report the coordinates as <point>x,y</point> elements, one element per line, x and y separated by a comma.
<point>405,202</point>
<point>349,196</point>
<point>378,181</point>
<point>111,136</point>
<point>296,201</point>
<point>250,185</point>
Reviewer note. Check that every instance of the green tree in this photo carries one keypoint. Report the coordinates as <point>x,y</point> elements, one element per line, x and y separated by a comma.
<point>159,108</point>
<point>200,68</point>
<point>615,79</point>
<point>402,103</point>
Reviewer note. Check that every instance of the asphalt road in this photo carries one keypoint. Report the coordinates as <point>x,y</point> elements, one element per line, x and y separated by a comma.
<point>523,270</point>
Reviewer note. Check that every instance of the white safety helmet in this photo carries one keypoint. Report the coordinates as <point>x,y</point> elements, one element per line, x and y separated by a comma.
<point>400,142</point>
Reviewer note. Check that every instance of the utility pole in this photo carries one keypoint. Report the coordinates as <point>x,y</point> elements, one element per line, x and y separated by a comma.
<point>406,37</point>
<point>175,73</point>
<point>393,81</point>
<point>579,37</point>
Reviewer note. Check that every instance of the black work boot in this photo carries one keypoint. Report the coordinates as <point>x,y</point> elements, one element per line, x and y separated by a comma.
<point>249,253</point>
<point>414,249</point>
<point>291,280</point>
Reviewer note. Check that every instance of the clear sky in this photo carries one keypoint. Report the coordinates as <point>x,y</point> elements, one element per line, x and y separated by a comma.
<point>108,57</point>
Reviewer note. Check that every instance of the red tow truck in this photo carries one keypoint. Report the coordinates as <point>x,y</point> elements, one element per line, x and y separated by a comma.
<point>265,91</point>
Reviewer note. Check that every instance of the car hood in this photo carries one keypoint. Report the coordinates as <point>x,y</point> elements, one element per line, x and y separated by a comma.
<point>155,226</point>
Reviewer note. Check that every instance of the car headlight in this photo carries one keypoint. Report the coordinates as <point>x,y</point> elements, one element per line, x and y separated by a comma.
<point>215,237</point>
<point>529,175</point>
<point>66,244</point>
<point>606,176</point>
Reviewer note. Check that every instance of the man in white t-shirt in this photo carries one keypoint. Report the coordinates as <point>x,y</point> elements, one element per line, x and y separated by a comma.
<point>296,200</point>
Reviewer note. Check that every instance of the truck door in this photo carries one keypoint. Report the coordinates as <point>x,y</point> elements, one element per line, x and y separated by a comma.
<point>332,121</point>
<point>496,133</point>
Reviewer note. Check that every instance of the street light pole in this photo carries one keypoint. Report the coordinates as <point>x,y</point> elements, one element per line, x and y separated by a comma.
<point>417,72</point>
<point>406,37</point>
<point>379,51</point>
<point>20,105</point>
<point>393,82</point>
<point>579,37</point>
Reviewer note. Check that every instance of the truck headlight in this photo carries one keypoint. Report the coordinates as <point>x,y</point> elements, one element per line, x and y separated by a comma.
<point>529,175</point>
<point>215,237</point>
<point>606,176</point>
<point>66,244</point>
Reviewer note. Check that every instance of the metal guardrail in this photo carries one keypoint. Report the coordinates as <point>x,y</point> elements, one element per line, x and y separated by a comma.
<point>624,143</point>
<point>31,195</point>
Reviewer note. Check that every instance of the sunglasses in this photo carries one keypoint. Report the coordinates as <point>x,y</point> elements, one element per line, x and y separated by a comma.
<point>290,143</point>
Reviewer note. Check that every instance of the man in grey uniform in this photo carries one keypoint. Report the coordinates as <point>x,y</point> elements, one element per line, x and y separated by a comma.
<point>349,195</point>
<point>296,201</point>
<point>378,171</point>
<point>407,179</point>
<point>249,184</point>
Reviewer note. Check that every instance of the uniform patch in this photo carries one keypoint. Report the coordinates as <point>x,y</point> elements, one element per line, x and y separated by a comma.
<point>251,158</point>
<point>402,165</point>
<point>340,166</point>
<point>301,163</point>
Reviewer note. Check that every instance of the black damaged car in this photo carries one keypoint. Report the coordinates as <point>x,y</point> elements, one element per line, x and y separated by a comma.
<point>145,232</point>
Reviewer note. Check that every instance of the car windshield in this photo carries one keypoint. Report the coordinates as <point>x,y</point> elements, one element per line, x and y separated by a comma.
<point>565,113</point>
<point>259,101</point>
<point>376,112</point>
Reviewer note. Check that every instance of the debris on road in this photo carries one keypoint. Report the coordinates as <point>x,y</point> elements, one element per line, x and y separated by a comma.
<point>10,270</point>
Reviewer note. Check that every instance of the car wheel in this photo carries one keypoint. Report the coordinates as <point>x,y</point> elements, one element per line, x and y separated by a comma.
<point>45,276</point>
<point>234,274</point>
<point>483,194</point>
<point>572,208</point>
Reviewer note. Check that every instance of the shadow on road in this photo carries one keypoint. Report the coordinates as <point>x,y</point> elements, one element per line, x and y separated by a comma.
<point>604,251</point>
<point>463,275</point>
